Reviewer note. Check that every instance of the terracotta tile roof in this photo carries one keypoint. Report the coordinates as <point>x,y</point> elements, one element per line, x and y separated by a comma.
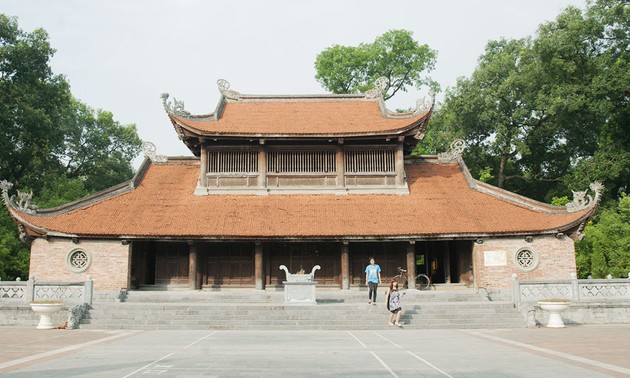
<point>440,202</point>
<point>316,117</point>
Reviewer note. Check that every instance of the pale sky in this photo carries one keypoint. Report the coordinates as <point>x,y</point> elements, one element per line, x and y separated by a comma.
<point>120,55</point>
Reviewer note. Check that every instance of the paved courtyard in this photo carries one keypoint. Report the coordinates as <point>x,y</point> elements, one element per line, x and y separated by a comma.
<point>577,351</point>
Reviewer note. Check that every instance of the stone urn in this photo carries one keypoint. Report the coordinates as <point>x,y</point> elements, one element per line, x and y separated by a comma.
<point>45,311</point>
<point>554,307</point>
<point>299,288</point>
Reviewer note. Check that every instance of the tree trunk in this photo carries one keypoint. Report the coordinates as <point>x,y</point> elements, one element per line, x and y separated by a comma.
<point>501,173</point>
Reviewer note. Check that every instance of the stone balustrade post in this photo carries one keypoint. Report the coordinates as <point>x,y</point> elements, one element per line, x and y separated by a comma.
<point>88,289</point>
<point>30,290</point>
<point>516,290</point>
<point>575,288</point>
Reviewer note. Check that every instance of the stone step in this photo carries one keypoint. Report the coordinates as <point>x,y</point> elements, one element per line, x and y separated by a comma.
<point>173,315</point>
<point>457,307</point>
<point>459,294</point>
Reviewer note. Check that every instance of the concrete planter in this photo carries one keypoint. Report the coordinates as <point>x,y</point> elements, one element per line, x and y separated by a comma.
<point>554,308</point>
<point>45,311</point>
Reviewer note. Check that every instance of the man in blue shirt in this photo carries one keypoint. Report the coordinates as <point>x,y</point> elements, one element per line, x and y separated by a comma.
<point>372,279</point>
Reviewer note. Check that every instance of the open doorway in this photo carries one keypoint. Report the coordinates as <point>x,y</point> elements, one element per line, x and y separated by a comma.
<point>445,262</point>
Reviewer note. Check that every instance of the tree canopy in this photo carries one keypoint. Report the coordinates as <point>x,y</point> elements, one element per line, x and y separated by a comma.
<point>394,55</point>
<point>605,248</point>
<point>546,114</point>
<point>50,143</point>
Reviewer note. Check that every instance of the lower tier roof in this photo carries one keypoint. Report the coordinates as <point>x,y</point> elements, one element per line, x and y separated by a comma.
<point>441,202</point>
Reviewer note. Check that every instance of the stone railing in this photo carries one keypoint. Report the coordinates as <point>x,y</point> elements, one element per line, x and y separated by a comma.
<point>32,290</point>
<point>576,290</point>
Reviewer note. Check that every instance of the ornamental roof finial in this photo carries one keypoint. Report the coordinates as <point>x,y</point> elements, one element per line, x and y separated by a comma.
<point>224,88</point>
<point>424,104</point>
<point>149,151</point>
<point>581,201</point>
<point>176,107</point>
<point>5,186</point>
<point>457,148</point>
<point>379,88</point>
<point>24,199</point>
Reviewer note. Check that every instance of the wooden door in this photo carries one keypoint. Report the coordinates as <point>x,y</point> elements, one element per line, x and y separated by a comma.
<point>297,256</point>
<point>171,264</point>
<point>228,264</point>
<point>388,255</point>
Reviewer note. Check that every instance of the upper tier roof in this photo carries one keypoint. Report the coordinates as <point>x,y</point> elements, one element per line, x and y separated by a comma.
<point>443,202</point>
<point>298,116</point>
<point>294,116</point>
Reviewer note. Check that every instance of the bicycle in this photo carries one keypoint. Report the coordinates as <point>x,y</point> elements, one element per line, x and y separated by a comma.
<point>422,280</point>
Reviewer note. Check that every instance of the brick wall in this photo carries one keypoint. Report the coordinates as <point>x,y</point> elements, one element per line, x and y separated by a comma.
<point>109,268</point>
<point>494,260</point>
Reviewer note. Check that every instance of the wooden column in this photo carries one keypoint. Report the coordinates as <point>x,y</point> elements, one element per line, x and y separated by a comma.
<point>341,167</point>
<point>203,160</point>
<point>192,265</point>
<point>447,262</point>
<point>411,264</point>
<point>258,266</point>
<point>345,266</point>
<point>400,162</point>
<point>262,165</point>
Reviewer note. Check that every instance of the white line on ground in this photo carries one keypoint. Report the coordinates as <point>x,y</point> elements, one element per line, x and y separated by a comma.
<point>418,357</point>
<point>201,339</point>
<point>430,364</point>
<point>388,340</point>
<point>384,364</point>
<point>373,354</point>
<point>60,350</point>
<point>168,355</point>
<point>583,360</point>
<point>149,364</point>
<point>357,339</point>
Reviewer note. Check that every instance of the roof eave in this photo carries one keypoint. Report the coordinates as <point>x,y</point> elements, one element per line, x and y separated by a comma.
<point>414,128</point>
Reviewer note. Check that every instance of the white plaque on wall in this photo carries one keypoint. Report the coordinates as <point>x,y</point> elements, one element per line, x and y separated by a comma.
<point>494,258</point>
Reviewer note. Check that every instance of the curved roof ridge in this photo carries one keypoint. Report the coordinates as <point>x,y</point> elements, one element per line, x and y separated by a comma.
<point>177,108</point>
<point>519,199</point>
<point>86,201</point>
<point>504,194</point>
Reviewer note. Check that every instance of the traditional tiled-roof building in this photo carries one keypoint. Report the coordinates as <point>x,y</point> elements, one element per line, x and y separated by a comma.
<point>300,181</point>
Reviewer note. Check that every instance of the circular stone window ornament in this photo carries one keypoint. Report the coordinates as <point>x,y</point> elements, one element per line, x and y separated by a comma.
<point>526,259</point>
<point>78,260</point>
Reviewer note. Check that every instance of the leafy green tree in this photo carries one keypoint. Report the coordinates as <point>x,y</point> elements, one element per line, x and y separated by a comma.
<point>50,143</point>
<point>548,113</point>
<point>605,248</point>
<point>33,103</point>
<point>14,255</point>
<point>97,148</point>
<point>498,114</point>
<point>584,59</point>
<point>394,55</point>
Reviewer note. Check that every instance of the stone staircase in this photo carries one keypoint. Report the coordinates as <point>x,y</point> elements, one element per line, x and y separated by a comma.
<point>335,309</point>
